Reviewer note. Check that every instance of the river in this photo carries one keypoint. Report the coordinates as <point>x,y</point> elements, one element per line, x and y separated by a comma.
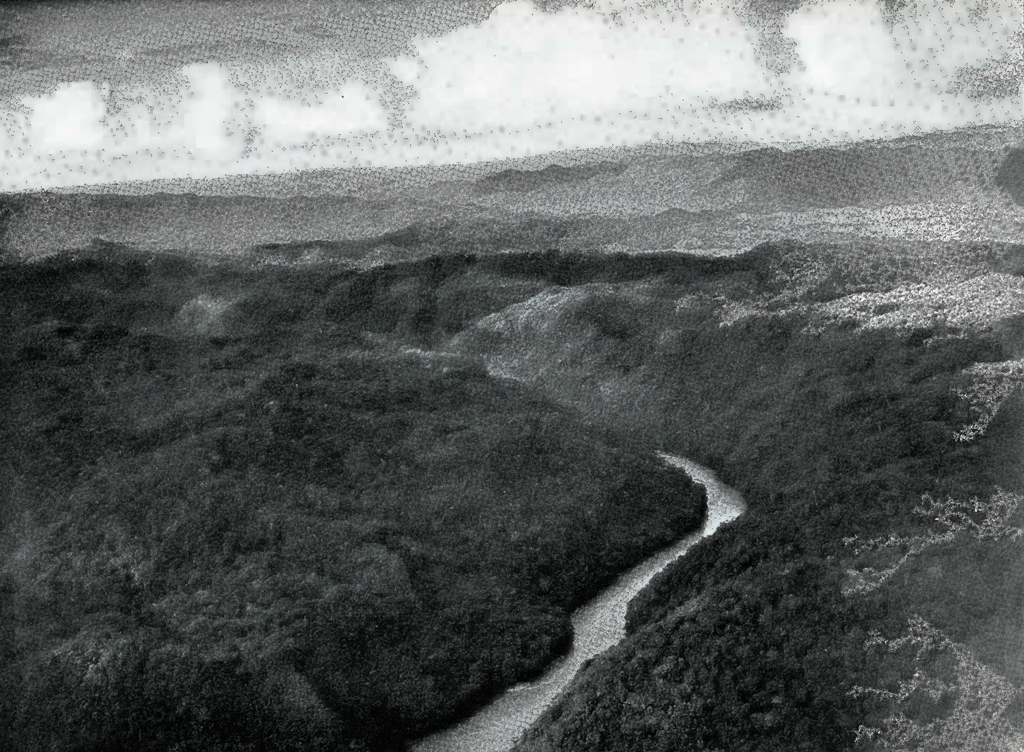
<point>597,626</point>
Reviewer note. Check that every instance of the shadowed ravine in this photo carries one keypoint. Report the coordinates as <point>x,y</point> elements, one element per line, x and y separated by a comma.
<point>597,626</point>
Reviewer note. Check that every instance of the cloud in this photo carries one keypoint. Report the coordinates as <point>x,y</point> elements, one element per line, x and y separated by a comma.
<point>524,81</point>
<point>522,67</point>
<point>198,112</point>
<point>349,111</point>
<point>406,69</point>
<point>210,113</point>
<point>68,119</point>
<point>14,129</point>
<point>845,49</point>
<point>881,66</point>
<point>207,107</point>
<point>861,65</point>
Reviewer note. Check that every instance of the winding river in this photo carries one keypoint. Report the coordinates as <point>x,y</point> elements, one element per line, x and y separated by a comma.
<point>597,626</point>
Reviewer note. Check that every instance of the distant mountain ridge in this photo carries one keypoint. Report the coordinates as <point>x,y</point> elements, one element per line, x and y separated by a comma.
<point>525,180</point>
<point>919,188</point>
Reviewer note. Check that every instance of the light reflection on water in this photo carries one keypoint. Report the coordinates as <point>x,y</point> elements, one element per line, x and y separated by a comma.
<point>597,626</point>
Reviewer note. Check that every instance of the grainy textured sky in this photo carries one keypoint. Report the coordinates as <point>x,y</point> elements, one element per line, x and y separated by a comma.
<point>94,92</point>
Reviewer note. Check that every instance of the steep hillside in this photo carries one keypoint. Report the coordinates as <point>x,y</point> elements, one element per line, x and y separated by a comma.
<point>866,401</point>
<point>176,432</point>
<point>246,509</point>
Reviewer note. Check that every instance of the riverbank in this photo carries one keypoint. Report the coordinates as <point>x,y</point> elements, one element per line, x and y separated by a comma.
<point>248,508</point>
<point>597,626</point>
<point>877,439</point>
<point>872,422</point>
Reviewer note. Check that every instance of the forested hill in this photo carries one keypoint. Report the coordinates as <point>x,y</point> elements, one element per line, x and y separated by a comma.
<point>296,503</point>
<point>254,510</point>
<point>866,399</point>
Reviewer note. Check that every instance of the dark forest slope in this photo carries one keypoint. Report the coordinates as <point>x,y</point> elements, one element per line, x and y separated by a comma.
<point>870,413</point>
<point>863,397</point>
<point>244,510</point>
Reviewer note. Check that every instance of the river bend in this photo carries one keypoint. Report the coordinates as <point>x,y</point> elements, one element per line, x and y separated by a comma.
<point>597,626</point>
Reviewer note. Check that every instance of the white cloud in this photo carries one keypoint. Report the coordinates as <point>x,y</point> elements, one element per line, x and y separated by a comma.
<point>195,113</point>
<point>845,49</point>
<point>405,69</point>
<point>523,82</point>
<point>207,112</point>
<point>522,67</point>
<point>863,78</point>
<point>349,111</point>
<point>13,131</point>
<point>68,119</point>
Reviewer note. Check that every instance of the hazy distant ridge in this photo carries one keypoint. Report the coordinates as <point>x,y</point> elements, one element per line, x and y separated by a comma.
<point>918,189</point>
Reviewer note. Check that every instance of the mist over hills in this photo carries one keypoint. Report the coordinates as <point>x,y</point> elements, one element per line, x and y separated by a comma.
<point>941,186</point>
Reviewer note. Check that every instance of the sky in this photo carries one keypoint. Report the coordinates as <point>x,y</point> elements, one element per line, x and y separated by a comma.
<point>102,92</point>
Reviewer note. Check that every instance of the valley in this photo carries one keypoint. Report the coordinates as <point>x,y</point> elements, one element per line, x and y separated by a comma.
<point>598,625</point>
<point>339,492</point>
